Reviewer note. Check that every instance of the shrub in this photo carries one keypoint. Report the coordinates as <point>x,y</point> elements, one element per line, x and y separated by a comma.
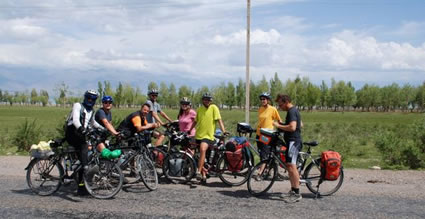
<point>27,134</point>
<point>406,149</point>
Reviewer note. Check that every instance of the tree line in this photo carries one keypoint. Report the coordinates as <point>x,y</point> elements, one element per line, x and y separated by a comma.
<point>338,96</point>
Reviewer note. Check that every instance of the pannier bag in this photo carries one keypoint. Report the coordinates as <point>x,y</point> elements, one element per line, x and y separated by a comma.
<point>330,165</point>
<point>282,154</point>
<point>266,136</point>
<point>175,166</point>
<point>158,157</point>
<point>235,160</point>
<point>236,153</point>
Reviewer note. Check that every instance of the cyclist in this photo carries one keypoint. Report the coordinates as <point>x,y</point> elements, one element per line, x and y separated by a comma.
<point>292,137</point>
<point>153,117</point>
<point>104,117</point>
<point>78,122</point>
<point>186,116</point>
<point>205,122</point>
<point>267,114</point>
<point>136,122</point>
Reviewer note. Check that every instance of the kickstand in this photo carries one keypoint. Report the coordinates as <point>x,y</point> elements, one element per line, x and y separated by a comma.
<point>317,193</point>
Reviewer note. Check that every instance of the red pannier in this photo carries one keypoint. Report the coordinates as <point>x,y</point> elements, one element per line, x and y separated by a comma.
<point>234,155</point>
<point>282,154</point>
<point>330,165</point>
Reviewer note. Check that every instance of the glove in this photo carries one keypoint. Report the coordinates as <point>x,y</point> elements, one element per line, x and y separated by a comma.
<point>82,130</point>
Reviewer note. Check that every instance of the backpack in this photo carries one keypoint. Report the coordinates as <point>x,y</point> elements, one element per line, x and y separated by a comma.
<point>237,153</point>
<point>330,165</point>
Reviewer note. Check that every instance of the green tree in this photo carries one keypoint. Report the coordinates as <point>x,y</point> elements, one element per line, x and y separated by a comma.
<point>164,95</point>
<point>185,91</point>
<point>108,89</point>
<point>313,96</point>
<point>34,96</point>
<point>276,86</point>
<point>62,89</point>
<point>100,89</point>
<point>44,97</point>
<point>173,98</point>
<point>119,96</point>
<point>324,95</point>
<point>128,95</point>
<point>230,95</point>
<point>240,94</point>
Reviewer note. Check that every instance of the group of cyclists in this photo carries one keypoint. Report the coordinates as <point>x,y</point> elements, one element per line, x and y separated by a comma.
<point>200,124</point>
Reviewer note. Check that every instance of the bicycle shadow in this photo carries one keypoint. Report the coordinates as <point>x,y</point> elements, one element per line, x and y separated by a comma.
<point>138,187</point>
<point>68,193</point>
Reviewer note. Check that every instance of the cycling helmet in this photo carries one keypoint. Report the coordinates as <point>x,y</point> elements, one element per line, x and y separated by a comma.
<point>207,96</point>
<point>107,99</point>
<point>185,100</point>
<point>266,95</point>
<point>153,91</point>
<point>90,94</point>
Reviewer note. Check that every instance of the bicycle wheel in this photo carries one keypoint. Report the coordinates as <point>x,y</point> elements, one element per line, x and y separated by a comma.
<point>259,183</point>
<point>44,176</point>
<point>158,155</point>
<point>232,178</point>
<point>179,168</point>
<point>104,180</point>
<point>312,174</point>
<point>146,169</point>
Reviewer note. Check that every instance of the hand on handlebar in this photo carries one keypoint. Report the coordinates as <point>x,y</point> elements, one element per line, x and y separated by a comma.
<point>226,134</point>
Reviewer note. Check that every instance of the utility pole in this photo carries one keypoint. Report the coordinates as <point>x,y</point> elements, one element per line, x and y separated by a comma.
<point>247,81</point>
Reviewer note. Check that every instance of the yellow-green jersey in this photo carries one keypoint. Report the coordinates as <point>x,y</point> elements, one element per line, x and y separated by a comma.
<point>206,122</point>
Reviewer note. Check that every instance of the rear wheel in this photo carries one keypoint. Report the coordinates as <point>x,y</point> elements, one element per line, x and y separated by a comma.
<point>179,167</point>
<point>146,168</point>
<point>44,176</point>
<point>312,175</point>
<point>260,182</point>
<point>104,180</point>
<point>232,178</point>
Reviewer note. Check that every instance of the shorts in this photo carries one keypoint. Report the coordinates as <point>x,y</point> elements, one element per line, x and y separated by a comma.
<point>263,149</point>
<point>208,141</point>
<point>292,152</point>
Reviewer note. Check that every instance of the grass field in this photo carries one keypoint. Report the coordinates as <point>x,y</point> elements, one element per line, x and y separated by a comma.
<point>350,133</point>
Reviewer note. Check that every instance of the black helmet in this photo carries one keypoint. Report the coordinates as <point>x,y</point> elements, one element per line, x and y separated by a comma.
<point>153,91</point>
<point>90,94</point>
<point>265,95</point>
<point>207,96</point>
<point>185,100</point>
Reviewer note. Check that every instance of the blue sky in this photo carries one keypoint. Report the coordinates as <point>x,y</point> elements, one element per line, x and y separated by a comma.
<point>202,42</point>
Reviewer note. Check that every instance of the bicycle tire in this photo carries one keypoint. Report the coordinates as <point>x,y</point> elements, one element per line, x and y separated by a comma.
<point>157,156</point>
<point>147,171</point>
<point>185,173</point>
<point>232,178</point>
<point>313,174</point>
<point>259,184</point>
<point>44,171</point>
<point>105,182</point>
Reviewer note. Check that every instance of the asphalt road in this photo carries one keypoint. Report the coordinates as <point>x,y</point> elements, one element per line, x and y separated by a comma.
<point>364,194</point>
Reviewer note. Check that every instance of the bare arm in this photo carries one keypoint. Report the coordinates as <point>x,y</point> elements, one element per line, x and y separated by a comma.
<point>157,119</point>
<point>147,126</point>
<point>289,128</point>
<point>220,123</point>
<point>109,126</point>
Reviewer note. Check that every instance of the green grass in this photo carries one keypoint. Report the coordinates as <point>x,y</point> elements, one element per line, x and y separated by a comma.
<point>350,133</point>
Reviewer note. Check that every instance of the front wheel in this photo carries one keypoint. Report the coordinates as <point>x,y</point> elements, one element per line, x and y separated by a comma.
<point>259,182</point>
<point>44,176</point>
<point>232,178</point>
<point>147,171</point>
<point>312,175</point>
<point>104,180</point>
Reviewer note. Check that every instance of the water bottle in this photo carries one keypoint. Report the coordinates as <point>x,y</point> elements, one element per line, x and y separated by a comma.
<point>122,159</point>
<point>67,164</point>
<point>212,156</point>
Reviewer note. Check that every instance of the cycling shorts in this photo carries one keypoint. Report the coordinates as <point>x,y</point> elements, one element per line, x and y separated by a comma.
<point>293,151</point>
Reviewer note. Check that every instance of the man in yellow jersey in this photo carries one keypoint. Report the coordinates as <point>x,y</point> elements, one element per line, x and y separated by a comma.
<point>206,117</point>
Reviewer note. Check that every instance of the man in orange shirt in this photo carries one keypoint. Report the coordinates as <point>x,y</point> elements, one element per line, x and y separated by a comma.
<point>136,122</point>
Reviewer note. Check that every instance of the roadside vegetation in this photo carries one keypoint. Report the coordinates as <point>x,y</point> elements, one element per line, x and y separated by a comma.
<point>390,140</point>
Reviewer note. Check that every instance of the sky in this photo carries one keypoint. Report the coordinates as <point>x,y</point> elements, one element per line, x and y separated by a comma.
<point>203,42</point>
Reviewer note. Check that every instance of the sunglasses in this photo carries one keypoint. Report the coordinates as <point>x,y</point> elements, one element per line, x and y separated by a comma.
<point>107,102</point>
<point>263,99</point>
